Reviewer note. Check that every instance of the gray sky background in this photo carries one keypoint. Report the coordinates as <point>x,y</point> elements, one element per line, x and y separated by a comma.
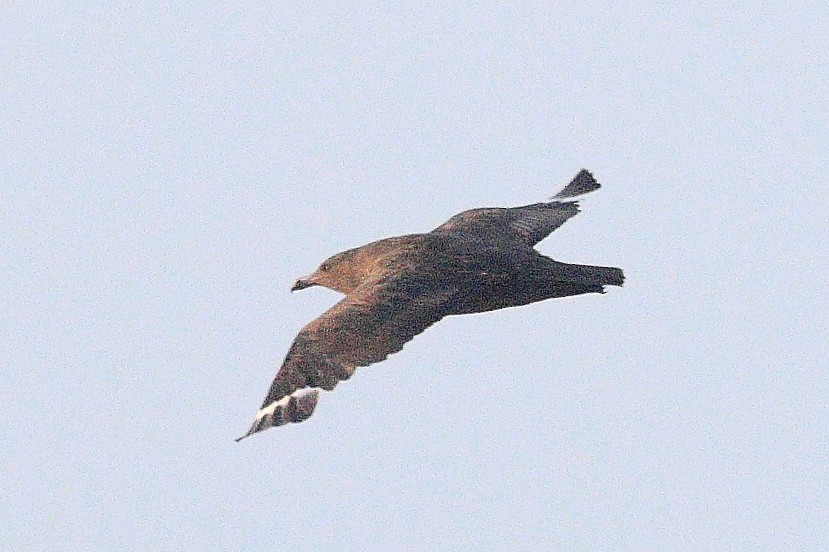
<point>168,171</point>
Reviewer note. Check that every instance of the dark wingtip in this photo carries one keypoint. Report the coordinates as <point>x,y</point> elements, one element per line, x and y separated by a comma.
<point>294,408</point>
<point>582,183</point>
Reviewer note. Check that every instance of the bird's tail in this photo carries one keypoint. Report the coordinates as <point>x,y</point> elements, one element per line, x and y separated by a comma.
<point>592,276</point>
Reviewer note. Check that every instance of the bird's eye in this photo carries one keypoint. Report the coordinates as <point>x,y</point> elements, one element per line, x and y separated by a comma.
<point>325,267</point>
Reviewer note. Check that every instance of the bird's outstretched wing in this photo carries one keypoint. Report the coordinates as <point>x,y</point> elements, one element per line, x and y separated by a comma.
<point>528,224</point>
<point>372,322</point>
<point>581,184</point>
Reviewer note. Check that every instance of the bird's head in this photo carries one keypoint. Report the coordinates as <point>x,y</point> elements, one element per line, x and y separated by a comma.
<point>340,272</point>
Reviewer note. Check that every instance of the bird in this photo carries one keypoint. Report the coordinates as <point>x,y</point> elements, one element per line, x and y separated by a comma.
<point>479,260</point>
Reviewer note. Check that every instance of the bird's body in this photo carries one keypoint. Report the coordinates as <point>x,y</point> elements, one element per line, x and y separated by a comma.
<point>479,260</point>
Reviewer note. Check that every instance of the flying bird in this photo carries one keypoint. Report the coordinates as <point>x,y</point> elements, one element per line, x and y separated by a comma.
<point>479,260</point>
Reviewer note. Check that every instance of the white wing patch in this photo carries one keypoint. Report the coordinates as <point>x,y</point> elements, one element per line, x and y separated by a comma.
<point>293,408</point>
<point>283,402</point>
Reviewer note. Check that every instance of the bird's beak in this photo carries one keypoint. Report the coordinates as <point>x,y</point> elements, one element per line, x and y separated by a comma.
<point>302,283</point>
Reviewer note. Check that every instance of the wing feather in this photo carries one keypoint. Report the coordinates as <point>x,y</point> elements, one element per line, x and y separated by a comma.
<point>369,324</point>
<point>528,224</point>
<point>581,184</point>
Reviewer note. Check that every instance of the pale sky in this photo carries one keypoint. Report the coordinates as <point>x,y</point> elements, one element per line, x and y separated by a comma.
<point>169,171</point>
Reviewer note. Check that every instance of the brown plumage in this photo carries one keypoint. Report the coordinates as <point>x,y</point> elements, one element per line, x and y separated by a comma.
<point>479,260</point>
